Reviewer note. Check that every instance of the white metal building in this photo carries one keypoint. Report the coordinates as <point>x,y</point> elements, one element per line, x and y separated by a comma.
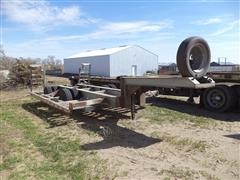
<point>111,62</point>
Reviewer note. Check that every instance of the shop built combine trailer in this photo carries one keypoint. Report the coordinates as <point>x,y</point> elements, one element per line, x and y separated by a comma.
<point>193,59</point>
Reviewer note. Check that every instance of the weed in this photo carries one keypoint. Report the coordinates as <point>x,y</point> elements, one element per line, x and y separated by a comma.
<point>186,174</point>
<point>178,173</point>
<point>180,143</point>
<point>161,115</point>
<point>208,176</point>
<point>9,162</point>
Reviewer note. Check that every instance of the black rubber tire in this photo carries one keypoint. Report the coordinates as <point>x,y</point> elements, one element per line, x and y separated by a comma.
<point>54,88</point>
<point>47,89</point>
<point>193,57</point>
<point>105,85</point>
<point>112,86</point>
<point>95,89</point>
<point>65,94</point>
<point>236,94</point>
<point>219,98</point>
<point>75,94</point>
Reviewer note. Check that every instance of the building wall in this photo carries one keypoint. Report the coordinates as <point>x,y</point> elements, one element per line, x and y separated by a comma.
<point>221,68</point>
<point>121,62</point>
<point>99,65</point>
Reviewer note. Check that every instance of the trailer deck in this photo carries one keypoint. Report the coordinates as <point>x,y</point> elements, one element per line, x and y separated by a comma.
<point>168,82</point>
<point>233,76</point>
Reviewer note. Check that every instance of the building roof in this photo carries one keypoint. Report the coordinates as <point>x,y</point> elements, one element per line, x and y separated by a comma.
<point>167,64</point>
<point>99,52</point>
<point>214,64</point>
<point>222,64</point>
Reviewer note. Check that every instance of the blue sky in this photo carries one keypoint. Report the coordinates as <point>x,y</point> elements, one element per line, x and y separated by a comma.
<point>63,28</point>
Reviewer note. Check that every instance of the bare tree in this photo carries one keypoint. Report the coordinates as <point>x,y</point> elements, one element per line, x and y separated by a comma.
<point>5,61</point>
<point>2,53</point>
<point>52,63</point>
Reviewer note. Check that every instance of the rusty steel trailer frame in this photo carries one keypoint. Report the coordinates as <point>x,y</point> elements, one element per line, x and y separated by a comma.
<point>65,106</point>
<point>232,77</point>
<point>132,90</point>
<point>89,98</point>
<point>139,85</point>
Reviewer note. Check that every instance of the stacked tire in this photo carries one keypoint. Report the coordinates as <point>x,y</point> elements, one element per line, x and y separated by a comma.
<point>193,57</point>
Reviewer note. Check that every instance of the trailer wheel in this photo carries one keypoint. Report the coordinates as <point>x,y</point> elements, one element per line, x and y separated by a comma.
<point>75,94</point>
<point>54,88</point>
<point>95,89</point>
<point>193,57</point>
<point>112,86</point>
<point>47,89</point>
<point>237,93</point>
<point>105,85</point>
<point>65,94</point>
<point>219,98</point>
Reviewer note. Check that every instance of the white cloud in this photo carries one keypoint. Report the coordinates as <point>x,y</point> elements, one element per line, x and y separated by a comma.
<point>214,20</point>
<point>119,29</point>
<point>123,32</point>
<point>40,15</point>
<point>227,28</point>
<point>137,26</point>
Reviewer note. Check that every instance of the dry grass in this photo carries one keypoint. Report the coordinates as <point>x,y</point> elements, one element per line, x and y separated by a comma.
<point>186,174</point>
<point>161,115</point>
<point>57,80</point>
<point>29,150</point>
<point>181,143</point>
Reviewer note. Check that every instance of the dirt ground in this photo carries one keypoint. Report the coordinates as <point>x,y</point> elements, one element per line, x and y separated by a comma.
<point>169,139</point>
<point>147,149</point>
<point>145,157</point>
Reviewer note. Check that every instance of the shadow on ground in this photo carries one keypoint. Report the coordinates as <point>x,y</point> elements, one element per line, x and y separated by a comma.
<point>103,122</point>
<point>234,136</point>
<point>193,109</point>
